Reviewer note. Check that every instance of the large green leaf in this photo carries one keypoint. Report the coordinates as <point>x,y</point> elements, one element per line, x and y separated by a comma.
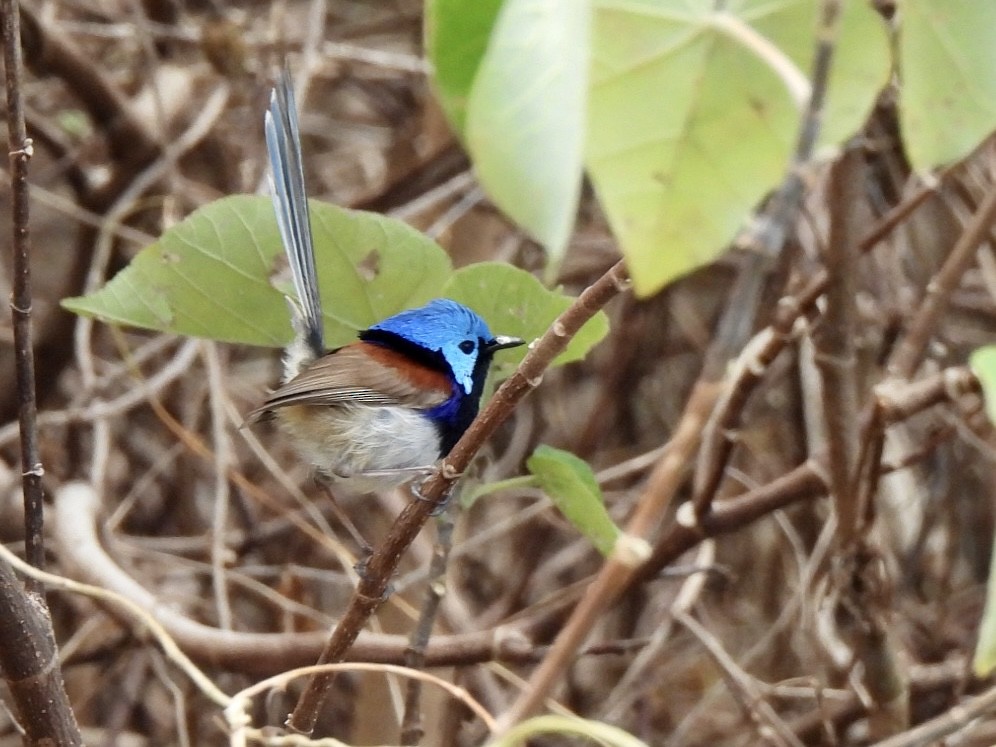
<point>211,274</point>
<point>516,303</point>
<point>571,485</point>
<point>690,126</point>
<point>947,61</point>
<point>457,34</point>
<point>525,117</point>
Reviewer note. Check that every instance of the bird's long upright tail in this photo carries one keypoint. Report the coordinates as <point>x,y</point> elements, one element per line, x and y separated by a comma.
<point>290,201</point>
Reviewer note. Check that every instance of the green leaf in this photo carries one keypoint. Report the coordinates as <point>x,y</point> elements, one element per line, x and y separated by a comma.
<point>457,34</point>
<point>571,485</point>
<point>211,275</point>
<point>596,731</point>
<point>947,61</point>
<point>516,303</point>
<point>983,365</point>
<point>75,123</point>
<point>525,117</point>
<point>689,126</point>
<point>984,660</point>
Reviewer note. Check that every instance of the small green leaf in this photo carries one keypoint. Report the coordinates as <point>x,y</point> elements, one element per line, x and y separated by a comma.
<point>983,365</point>
<point>597,732</point>
<point>516,303</point>
<point>525,117</point>
<point>984,660</point>
<point>74,123</point>
<point>457,34</point>
<point>947,61</point>
<point>571,485</point>
<point>212,275</point>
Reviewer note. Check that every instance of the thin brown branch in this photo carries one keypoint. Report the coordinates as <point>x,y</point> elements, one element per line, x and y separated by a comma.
<point>909,353</point>
<point>743,687</point>
<point>950,722</point>
<point>834,340</point>
<point>412,731</point>
<point>28,657</point>
<point>20,150</point>
<point>926,681</point>
<point>29,663</point>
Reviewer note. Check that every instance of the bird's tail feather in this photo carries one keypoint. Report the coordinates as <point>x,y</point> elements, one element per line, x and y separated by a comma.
<point>290,201</point>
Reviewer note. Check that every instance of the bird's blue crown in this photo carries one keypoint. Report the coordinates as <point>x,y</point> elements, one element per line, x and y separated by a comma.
<point>446,328</point>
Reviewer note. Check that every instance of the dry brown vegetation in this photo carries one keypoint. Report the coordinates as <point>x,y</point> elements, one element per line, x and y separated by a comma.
<point>761,625</point>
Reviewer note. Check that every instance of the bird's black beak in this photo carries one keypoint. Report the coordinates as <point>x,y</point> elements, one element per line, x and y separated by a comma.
<point>501,342</point>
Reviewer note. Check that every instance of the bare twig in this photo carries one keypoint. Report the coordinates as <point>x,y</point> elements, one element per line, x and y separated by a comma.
<point>30,665</point>
<point>222,465</point>
<point>909,353</point>
<point>237,712</point>
<point>950,722</point>
<point>411,724</point>
<point>743,687</point>
<point>835,343</point>
<point>859,620</point>
<point>629,554</point>
<point>20,150</point>
<point>28,656</point>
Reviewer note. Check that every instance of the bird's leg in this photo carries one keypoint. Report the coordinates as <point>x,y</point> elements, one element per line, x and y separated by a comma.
<point>416,489</point>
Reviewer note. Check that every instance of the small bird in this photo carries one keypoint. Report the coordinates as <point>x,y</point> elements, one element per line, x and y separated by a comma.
<point>372,414</point>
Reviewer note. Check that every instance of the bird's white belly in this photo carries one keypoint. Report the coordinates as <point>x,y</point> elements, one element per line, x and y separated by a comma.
<point>362,448</point>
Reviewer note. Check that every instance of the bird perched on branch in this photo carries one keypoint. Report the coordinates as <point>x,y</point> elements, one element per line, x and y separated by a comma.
<point>374,413</point>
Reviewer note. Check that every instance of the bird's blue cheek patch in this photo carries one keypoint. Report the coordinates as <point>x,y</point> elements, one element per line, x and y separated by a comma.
<point>462,367</point>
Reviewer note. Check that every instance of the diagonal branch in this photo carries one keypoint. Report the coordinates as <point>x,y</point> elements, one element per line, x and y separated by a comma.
<point>20,303</point>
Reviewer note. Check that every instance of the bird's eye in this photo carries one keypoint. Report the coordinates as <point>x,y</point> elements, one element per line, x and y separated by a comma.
<point>467,346</point>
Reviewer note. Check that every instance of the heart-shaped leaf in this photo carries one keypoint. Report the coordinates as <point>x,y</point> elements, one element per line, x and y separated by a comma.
<point>571,485</point>
<point>516,303</point>
<point>690,124</point>
<point>525,117</point>
<point>216,274</point>
<point>456,37</point>
<point>947,61</point>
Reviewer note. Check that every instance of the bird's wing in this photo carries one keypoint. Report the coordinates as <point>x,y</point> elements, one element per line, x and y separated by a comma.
<point>362,373</point>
